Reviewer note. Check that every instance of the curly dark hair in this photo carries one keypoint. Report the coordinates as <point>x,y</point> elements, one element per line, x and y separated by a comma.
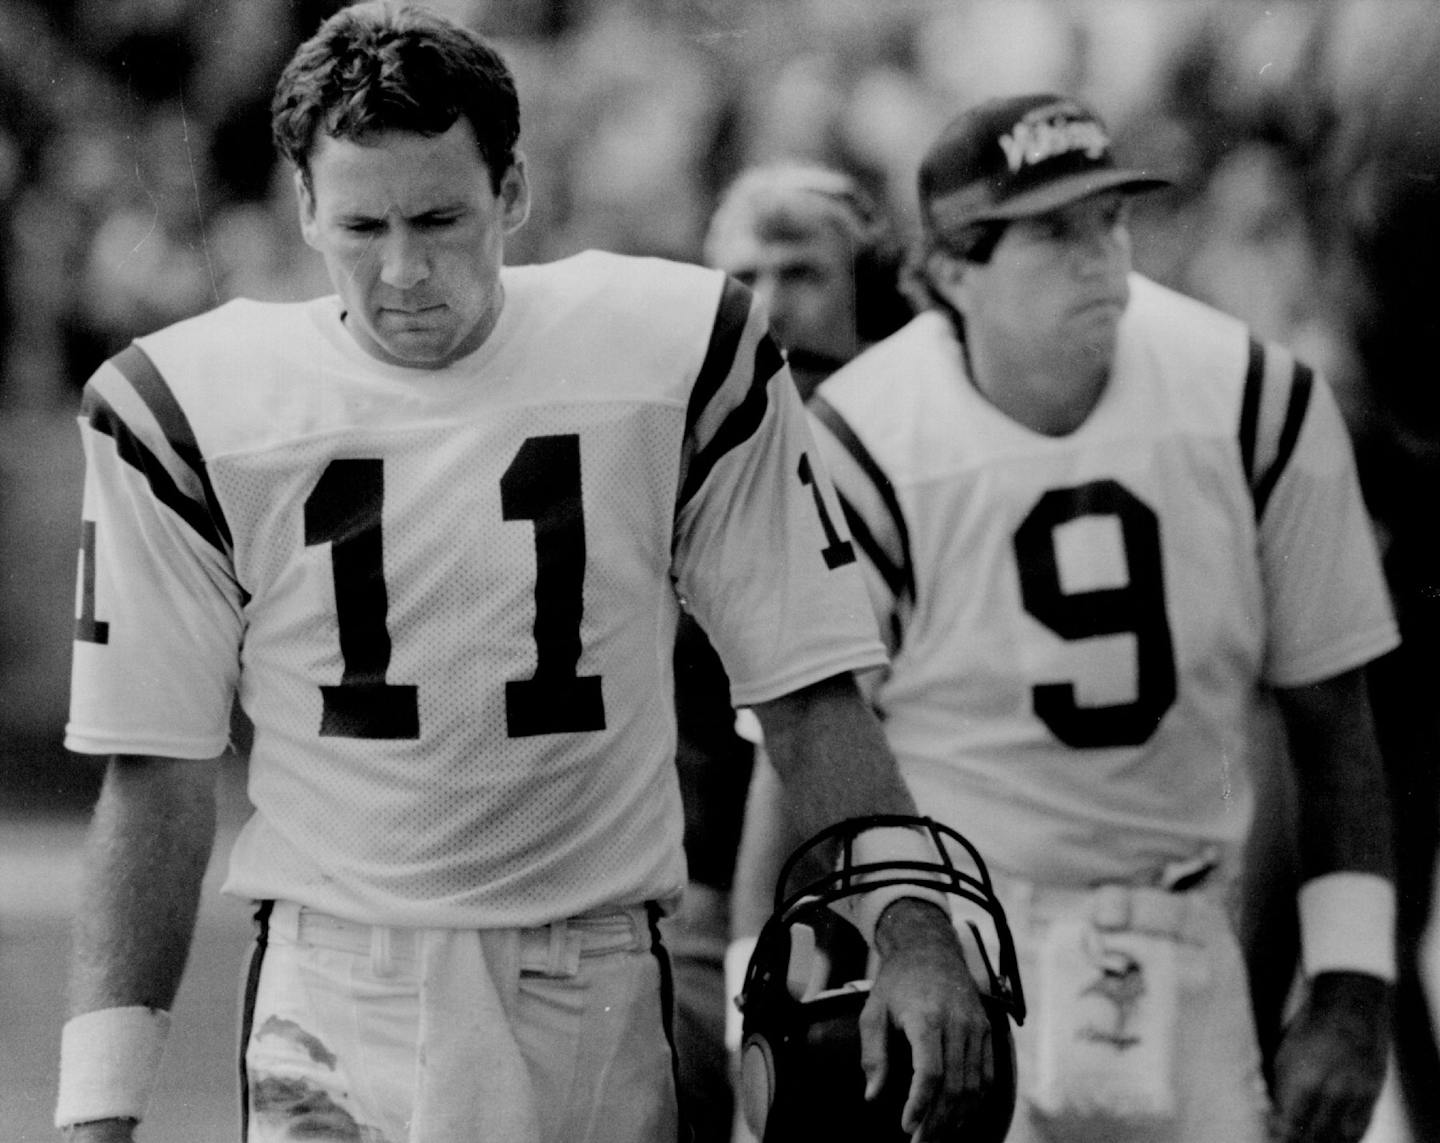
<point>381,66</point>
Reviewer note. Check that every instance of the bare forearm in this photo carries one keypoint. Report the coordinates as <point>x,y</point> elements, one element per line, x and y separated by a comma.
<point>1344,811</point>
<point>766,839</point>
<point>831,756</point>
<point>144,862</point>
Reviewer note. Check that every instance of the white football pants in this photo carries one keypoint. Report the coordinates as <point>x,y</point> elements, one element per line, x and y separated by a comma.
<point>371,1034</point>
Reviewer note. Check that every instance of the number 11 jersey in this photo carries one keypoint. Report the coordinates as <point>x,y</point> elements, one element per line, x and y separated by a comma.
<point>447,599</point>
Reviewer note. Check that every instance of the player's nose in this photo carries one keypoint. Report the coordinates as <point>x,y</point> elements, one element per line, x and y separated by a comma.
<point>404,259</point>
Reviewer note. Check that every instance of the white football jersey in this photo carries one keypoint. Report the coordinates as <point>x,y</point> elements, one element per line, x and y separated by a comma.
<point>447,599</point>
<point>1080,625</point>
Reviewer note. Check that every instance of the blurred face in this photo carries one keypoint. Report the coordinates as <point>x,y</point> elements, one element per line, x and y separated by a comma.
<point>1052,293</point>
<point>806,282</point>
<point>412,233</point>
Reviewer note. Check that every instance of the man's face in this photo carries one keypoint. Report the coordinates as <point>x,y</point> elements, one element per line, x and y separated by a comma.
<point>412,233</point>
<point>1056,284</point>
<point>806,281</point>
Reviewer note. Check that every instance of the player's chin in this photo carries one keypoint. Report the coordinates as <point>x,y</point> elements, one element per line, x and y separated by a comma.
<point>1095,331</point>
<point>420,349</point>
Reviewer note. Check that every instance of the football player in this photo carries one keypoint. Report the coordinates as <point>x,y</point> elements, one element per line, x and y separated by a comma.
<point>1112,538</point>
<point>822,260</point>
<point>433,534</point>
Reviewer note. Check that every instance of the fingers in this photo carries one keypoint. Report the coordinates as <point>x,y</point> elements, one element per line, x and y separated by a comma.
<point>924,993</point>
<point>1321,1119</point>
<point>874,1054</point>
<point>1331,1063</point>
<point>951,1060</point>
<point>963,1079</point>
<point>1293,1118</point>
<point>1320,1104</point>
<point>929,1075</point>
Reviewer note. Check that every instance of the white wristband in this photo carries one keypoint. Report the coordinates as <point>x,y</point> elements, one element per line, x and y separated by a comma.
<point>1347,924</point>
<point>885,844</point>
<point>109,1060</point>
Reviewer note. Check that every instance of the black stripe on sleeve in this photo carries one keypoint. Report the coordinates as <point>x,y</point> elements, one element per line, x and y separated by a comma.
<point>893,576</point>
<point>1250,408</point>
<point>742,422</point>
<point>141,372</point>
<point>730,318</point>
<point>1301,383</point>
<point>134,452</point>
<point>904,576</point>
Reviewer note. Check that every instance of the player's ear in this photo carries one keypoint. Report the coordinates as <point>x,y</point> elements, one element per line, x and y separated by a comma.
<point>515,195</point>
<point>305,198</point>
<point>946,273</point>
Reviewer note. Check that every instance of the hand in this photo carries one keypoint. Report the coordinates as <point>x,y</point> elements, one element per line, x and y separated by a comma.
<point>924,989</point>
<point>1332,1059</point>
<point>101,1131</point>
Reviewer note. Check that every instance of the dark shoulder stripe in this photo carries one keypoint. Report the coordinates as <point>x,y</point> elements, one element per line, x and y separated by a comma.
<point>731,316</point>
<point>1250,408</point>
<point>864,538</point>
<point>828,416</point>
<point>103,418</point>
<point>148,382</point>
<point>742,421</point>
<point>1301,382</point>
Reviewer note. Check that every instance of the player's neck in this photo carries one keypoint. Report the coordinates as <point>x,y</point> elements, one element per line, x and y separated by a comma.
<point>1048,396</point>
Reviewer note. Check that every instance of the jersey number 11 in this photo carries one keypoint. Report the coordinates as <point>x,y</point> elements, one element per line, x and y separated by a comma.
<point>542,484</point>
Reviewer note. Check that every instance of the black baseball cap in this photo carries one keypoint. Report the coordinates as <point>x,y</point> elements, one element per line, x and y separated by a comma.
<point>1020,156</point>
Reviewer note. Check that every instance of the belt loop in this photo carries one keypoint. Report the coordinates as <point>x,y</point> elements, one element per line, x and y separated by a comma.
<point>284,921</point>
<point>556,963</point>
<point>382,952</point>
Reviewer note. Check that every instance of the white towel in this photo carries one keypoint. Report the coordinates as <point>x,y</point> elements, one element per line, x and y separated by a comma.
<point>1106,1038</point>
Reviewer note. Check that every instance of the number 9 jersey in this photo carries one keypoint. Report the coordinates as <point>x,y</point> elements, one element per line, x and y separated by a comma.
<point>447,599</point>
<point>1081,626</point>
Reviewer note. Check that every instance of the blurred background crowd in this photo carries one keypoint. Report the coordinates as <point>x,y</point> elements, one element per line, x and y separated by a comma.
<point>138,186</point>
<point>137,182</point>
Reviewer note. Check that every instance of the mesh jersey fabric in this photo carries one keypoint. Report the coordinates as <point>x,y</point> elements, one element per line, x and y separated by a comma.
<point>1081,625</point>
<point>448,598</point>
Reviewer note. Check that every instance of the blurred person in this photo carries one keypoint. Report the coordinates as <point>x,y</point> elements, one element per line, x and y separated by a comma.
<point>432,534</point>
<point>821,258</point>
<point>258,251</point>
<point>637,121</point>
<point>1111,538</point>
<point>1258,258</point>
<point>149,261</point>
<point>64,195</point>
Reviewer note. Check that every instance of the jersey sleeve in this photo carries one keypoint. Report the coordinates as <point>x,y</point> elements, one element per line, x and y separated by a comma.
<point>874,517</point>
<point>763,558</point>
<point>157,638</point>
<point>1326,599</point>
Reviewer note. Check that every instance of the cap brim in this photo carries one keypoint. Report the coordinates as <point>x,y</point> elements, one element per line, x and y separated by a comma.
<point>1061,192</point>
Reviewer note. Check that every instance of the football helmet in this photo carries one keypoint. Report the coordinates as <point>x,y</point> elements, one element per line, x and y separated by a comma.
<point>806,983</point>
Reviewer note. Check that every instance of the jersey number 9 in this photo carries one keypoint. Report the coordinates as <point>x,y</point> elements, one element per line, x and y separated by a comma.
<point>1137,608</point>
